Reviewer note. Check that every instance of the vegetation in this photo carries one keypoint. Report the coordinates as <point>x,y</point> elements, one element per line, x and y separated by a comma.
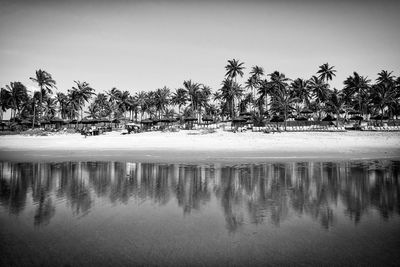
<point>263,95</point>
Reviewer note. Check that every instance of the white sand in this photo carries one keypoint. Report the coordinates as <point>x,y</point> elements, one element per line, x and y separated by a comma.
<point>186,145</point>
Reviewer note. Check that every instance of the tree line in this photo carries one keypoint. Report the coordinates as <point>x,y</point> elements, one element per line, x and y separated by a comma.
<point>262,95</point>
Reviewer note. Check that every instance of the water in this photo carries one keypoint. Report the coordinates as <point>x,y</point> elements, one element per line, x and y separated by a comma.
<point>120,214</point>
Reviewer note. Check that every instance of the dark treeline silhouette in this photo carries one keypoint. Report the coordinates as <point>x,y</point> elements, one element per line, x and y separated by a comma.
<point>263,95</point>
<point>255,193</point>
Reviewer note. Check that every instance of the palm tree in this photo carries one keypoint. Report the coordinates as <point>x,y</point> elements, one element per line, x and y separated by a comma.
<point>4,101</point>
<point>283,101</point>
<point>193,91</point>
<point>62,101</point>
<point>162,99</point>
<point>301,89</point>
<point>247,99</point>
<point>382,96</point>
<point>179,98</point>
<point>326,72</point>
<point>356,84</point>
<point>15,95</point>
<point>123,102</point>
<point>93,110</point>
<point>264,90</point>
<point>103,105</point>
<point>81,95</point>
<point>114,95</point>
<point>45,83</point>
<point>141,98</point>
<point>253,83</point>
<point>203,98</point>
<point>337,102</point>
<point>320,92</point>
<point>50,107</point>
<point>133,107</point>
<point>229,92</point>
<point>385,77</point>
<point>234,69</point>
<point>278,80</point>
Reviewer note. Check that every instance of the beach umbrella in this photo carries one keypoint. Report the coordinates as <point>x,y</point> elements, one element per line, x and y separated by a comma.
<point>277,119</point>
<point>352,112</point>
<point>242,114</point>
<point>147,121</point>
<point>190,119</point>
<point>132,124</point>
<point>103,120</point>
<point>56,120</point>
<point>27,122</point>
<point>306,111</point>
<point>238,119</point>
<point>207,118</point>
<point>18,120</point>
<point>167,120</point>
<point>356,118</point>
<point>300,119</point>
<point>379,117</point>
<point>85,121</point>
<point>329,118</point>
<point>3,124</point>
<point>44,122</point>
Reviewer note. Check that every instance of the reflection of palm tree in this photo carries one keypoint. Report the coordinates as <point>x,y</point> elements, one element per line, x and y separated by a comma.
<point>262,190</point>
<point>45,210</point>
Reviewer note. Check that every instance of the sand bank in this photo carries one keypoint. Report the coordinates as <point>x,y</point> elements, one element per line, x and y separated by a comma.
<point>190,146</point>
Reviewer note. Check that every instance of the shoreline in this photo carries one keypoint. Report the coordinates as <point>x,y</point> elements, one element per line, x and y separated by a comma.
<point>189,146</point>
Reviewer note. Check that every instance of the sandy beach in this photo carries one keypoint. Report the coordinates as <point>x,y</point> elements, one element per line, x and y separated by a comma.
<point>195,146</point>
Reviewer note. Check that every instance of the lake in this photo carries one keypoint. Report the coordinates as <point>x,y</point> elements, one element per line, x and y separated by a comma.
<point>250,214</point>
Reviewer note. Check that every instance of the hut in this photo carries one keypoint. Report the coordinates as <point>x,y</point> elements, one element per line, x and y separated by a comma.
<point>189,121</point>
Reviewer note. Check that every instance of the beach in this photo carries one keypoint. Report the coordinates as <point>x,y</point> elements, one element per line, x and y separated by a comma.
<point>195,146</point>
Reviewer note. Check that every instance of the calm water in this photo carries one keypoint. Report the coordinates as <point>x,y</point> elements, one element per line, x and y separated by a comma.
<point>125,214</point>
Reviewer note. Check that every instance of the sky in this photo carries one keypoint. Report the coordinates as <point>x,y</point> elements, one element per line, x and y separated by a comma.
<point>145,45</point>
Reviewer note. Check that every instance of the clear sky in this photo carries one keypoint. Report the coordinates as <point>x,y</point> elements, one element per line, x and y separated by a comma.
<point>144,45</point>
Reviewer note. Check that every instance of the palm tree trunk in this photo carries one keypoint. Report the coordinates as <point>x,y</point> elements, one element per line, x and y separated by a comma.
<point>337,119</point>
<point>40,104</point>
<point>33,119</point>
<point>266,100</point>
<point>285,117</point>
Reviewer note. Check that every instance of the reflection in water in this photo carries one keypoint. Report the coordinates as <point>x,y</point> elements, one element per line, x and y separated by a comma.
<point>255,193</point>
